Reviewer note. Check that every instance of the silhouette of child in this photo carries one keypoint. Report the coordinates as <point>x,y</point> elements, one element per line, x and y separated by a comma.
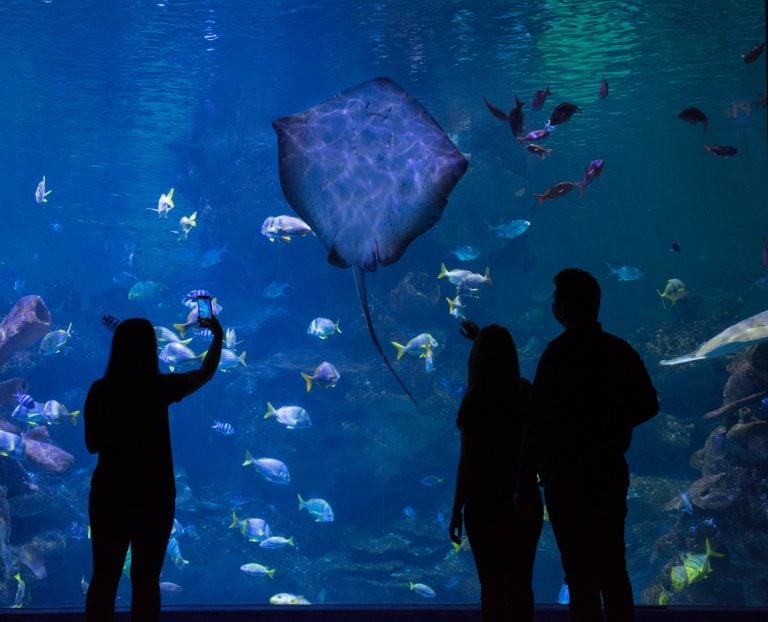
<point>491,420</point>
<point>133,491</point>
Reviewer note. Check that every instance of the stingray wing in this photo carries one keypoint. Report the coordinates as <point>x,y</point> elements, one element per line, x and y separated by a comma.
<point>369,170</point>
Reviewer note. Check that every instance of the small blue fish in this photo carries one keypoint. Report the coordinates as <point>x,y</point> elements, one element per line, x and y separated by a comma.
<point>441,520</point>
<point>224,428</point>
<point>409,511</point>
<point>452,582</point>
<point>431,480</point>
<point>77,531</point>
<point>685,502</point>
<point>466,253</point>
<point>564,596</point>
<point>674,247</point>
<point>510,229</point>
<point>275,289</point>
<point>626,273</point>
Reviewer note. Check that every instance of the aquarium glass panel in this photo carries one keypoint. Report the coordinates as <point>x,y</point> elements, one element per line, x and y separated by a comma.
<point>139,164</point>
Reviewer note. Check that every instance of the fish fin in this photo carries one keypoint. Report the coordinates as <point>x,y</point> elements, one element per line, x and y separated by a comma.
<point>73,416</point>
<point>234,521</point>
<point>241,359</point>
<point>363,296</point>
<point>488,275</point>
<point>271,573</point>
<point>270,410</point>
<point>301,502</point>
<point>308,380</point>
<point>182,328</point>
<point>581,186</point>
<point>248,458</point>
<point>169,198</point>
<point>400,349</point>
<point>685,358</point>
<point>338,330</point>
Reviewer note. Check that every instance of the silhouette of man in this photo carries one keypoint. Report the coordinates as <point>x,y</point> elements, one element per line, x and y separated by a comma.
<point>590,390</point>
<point>133,490</point>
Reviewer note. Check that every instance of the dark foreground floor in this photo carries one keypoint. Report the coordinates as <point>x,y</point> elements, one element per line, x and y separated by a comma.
<point>380,614</point>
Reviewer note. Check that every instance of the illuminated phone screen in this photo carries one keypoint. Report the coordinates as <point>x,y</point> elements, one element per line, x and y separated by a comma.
<point>204,310</point>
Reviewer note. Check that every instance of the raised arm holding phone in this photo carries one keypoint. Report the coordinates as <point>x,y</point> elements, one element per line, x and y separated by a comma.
<point>133,491</point>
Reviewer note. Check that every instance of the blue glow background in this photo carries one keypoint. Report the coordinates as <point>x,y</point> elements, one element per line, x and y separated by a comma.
<point>116,102</point>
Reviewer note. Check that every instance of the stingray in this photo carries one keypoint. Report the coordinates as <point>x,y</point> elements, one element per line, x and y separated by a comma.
<point>369,170</point>
<point>734,338</point>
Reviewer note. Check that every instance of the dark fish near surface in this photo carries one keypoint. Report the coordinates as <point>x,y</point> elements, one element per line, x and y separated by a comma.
<point>556,191</point>
<point>602,93</point>
<point>496,112</point>
<point>534,135</point>
<point>592,172</point>
<point>765,255</point>
<point>721,150</point>
<point>694,115</point>
<point>539,151</point>
<point>539,97</point>
<point>754,53</point>
<point>516,118</point>
<point>562,113</point>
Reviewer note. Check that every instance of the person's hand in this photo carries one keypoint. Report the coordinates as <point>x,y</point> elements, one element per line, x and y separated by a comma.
<point>455,526</point>
<point>469,329</point>
<point>213,325</point>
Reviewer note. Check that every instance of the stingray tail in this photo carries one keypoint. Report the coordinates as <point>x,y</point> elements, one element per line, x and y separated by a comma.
<point>362,294</point>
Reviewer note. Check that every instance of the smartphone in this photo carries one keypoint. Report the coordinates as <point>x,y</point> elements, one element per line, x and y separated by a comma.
<point>204,308</point>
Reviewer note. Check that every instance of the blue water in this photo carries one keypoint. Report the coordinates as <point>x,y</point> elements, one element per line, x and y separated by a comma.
<point>117,102</point>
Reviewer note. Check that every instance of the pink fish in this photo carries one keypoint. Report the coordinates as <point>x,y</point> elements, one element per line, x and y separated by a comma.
<point>721,150</point>
<point>556,191</point>
<point>754,53</point>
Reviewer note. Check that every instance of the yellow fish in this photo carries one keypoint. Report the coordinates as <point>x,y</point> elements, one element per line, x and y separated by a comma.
<point>697,567</point>
<point>674,290</point>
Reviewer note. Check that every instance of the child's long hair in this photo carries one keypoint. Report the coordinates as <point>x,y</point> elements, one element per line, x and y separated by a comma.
<point>493,366</point>
<point>134,351</point>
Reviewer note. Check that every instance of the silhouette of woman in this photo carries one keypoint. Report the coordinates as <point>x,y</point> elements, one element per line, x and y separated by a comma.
<point>491,419</point>
<point>133,491</point>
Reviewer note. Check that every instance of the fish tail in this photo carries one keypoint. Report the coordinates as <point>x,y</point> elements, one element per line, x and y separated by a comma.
<point>270,410</point>
<point>169,198</point>
<point>338,330</point>
<point>301,502</point>
<point>488,275</point>
<point>400,349</point>
<point>308,380</point>
<point>540,198</point>
<point>291,542</point>
<point>73,416</point>
<point>271,573</point>
<point>234,521</point>
<point>443,271</point>
<point>711,552</point>
<point>241,359</point>
<point>248,458</point>
<point>182,328</point>
<point>581,186</point>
